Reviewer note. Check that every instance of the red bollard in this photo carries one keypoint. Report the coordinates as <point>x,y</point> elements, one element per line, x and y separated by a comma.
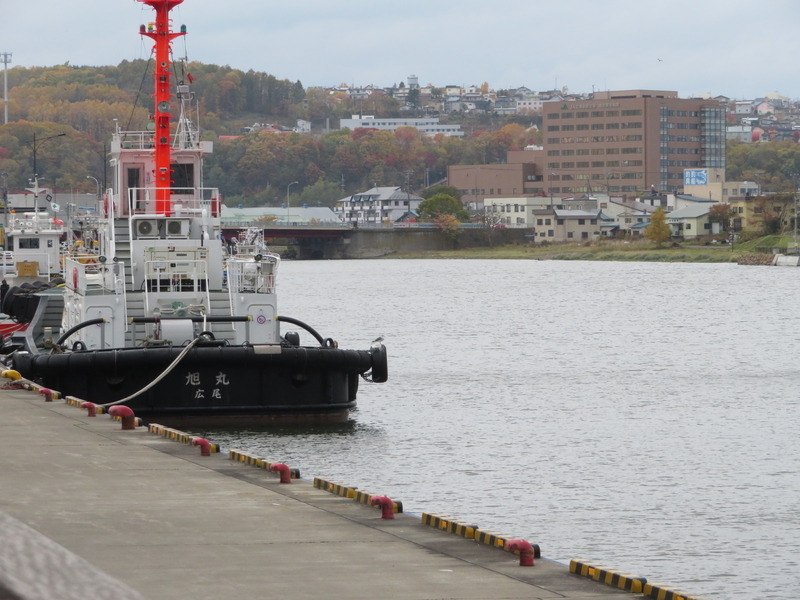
<point>91,408</point>
<point>525,551</point>
<point>205,446</point>
<point>47,393</point>
<point>286,472</point>
<point>125,414</point>
<point>386,504</point>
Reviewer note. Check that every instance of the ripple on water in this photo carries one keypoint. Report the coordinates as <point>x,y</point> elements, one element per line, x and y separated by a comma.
<point>641,415</point>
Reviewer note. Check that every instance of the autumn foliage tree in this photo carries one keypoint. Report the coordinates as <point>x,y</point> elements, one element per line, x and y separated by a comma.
<point>450,225</point>
<point>658,230</point>
<point>87,103</point>
<point>720,213</point>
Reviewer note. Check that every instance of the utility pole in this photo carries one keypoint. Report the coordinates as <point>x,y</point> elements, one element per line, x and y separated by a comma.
<point>6,58</point>
<point>408,190</point>
<point>5,201</point>
<point>794,193</point>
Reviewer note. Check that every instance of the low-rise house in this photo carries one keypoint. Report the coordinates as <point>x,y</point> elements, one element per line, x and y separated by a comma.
<point>690,221</point>
<point>632,222</point>
<point>378,205</point>
<point>765,107</point>
<point>518,211</point>
<point>740,133</point>
<point>749,212</point>
<point>555,225</point>
<point>617,207</point>
<point>734,189</point>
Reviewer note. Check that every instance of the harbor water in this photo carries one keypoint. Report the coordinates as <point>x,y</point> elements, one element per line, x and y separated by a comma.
<point>641,416</point>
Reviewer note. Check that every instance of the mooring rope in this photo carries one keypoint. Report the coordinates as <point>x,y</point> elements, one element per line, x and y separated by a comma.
<point>174,363</point>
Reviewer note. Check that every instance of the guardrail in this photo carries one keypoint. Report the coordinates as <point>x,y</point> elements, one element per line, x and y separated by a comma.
<point>229,224</point>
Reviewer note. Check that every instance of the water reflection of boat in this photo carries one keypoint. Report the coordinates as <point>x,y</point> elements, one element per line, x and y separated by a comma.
<point>156,325</point>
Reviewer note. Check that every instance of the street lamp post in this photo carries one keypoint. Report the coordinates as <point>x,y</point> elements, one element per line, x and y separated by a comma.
<point>288,187</point>
<point>33,145</point>
<point>97,184</point>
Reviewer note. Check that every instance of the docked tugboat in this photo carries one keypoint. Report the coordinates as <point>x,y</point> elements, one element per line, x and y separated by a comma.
<point>164,322</point>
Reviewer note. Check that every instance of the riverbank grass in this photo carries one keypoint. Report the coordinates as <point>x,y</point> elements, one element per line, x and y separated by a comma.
<point>606,250</point>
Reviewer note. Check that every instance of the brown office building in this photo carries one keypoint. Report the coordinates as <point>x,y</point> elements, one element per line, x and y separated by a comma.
<point>479,182</point>
<point>629,141</point>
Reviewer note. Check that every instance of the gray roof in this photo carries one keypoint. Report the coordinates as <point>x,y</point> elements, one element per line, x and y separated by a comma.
<point>577,214</point>
<point>690,212</point>
<point>634,205</point>
<point>691,198</point>
<point>320,213</point>
<point>382,193</point>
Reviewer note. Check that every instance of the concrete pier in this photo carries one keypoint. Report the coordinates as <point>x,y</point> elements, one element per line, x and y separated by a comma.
<point>158,517</point>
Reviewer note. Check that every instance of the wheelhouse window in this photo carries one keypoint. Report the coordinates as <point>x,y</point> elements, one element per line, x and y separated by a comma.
<point>28,243</point>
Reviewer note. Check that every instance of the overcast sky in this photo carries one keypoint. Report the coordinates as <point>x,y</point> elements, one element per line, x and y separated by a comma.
<point>725,47</point>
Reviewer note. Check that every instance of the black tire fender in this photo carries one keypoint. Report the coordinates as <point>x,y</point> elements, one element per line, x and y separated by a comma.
<point>380,363</point>
<point>8,299</point>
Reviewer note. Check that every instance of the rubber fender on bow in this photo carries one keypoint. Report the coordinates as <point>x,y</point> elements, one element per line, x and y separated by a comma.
<point>9,298</point>
<point>380,363</point>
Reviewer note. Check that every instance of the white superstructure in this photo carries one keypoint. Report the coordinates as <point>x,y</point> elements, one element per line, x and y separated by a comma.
<point>162,261</point>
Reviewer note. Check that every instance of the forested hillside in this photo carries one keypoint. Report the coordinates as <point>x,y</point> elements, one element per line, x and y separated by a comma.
<point>87,103</point>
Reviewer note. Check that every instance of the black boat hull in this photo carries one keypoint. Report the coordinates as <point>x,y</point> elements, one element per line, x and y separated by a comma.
<point>213,384</point>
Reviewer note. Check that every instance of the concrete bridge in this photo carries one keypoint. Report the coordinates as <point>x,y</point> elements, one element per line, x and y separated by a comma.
<point>316,241</point>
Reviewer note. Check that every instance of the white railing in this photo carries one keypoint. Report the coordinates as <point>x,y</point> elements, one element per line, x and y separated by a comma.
<point>168,276</point>
<point>184,138</point>
<point>181,202</point>
<point>165,276</point>
<point>136,140</point>
<point>249,276</point>
<point>28,223</point>
<point>84,273</point>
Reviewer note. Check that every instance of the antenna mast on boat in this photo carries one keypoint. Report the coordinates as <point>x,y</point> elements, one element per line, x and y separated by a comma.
<point>160,33</point>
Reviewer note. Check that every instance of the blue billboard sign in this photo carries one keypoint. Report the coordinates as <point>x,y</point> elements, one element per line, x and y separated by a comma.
<point>695,177</point>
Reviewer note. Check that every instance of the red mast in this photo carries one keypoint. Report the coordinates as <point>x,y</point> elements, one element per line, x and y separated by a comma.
<point>161,34</point>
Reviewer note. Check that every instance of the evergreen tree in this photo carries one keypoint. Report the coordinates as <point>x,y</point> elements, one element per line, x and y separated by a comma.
<point>442,205</point>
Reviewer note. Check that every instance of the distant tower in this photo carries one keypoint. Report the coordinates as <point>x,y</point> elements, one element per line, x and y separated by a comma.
<point>413,82</point>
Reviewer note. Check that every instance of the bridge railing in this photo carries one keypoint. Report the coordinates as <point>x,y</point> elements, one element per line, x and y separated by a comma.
<point>228,224</point>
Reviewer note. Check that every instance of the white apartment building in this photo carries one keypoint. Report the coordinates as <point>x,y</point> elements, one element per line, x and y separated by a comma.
<point>378,205</point>
<point>530,106</point>
<point>429,126</point>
